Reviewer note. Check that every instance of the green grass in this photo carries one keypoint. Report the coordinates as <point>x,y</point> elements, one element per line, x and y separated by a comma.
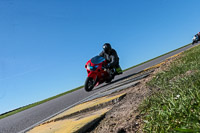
<point>176,106</point>
<point>35,104</point>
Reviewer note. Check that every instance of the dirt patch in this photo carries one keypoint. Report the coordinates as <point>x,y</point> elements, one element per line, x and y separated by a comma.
<point>125,115</point>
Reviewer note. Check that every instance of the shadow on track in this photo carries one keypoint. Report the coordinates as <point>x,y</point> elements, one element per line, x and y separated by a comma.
<point>116,81</point>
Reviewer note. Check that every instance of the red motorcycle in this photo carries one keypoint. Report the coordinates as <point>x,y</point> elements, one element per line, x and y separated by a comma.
<point>97,72</point>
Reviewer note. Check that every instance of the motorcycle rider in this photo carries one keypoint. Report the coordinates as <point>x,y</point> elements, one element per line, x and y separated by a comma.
<point>198,34</point>
<point>195,39</point>
<point>111,56</point>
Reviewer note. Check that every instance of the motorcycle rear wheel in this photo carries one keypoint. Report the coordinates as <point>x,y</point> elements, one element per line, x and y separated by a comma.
<point>89,84</point>
<point>110,79</point>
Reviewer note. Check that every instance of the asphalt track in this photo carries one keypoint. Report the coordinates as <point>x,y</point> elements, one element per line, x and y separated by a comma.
<point>23,121</point>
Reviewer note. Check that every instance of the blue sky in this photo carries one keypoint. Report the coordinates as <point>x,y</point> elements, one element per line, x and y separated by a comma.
<point>44,44</point>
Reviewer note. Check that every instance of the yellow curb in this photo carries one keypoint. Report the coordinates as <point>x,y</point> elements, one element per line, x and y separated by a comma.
<point>69,125</point>
<point>174,56</point>
<point>155,66</point>
<point>87,105</point>
<point>61,123</point>
<point>158,65</point>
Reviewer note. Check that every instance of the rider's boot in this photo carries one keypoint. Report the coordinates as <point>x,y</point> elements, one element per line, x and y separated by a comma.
<point>118,70</point>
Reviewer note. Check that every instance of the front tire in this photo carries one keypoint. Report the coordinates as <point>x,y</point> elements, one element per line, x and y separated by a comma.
<point>89,84</point>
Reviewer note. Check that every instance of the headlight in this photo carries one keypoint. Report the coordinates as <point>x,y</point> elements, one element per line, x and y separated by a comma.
<point>92,68</point>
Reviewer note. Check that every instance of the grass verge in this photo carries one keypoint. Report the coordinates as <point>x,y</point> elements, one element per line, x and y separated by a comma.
<point>175,104</point>
<point>35,104</point>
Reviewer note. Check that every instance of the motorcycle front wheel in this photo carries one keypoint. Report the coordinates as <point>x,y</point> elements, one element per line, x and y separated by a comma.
<point>89,84</point>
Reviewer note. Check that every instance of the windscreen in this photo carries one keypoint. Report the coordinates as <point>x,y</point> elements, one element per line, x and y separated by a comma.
<point>97,59</point>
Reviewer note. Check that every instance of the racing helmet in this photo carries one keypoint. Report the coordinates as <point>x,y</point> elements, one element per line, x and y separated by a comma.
<point>107,47</point>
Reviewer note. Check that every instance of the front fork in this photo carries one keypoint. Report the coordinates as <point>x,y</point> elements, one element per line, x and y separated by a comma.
<point>94,76</point>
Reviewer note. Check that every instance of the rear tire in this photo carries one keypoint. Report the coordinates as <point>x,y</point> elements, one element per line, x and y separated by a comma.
<point>89,84</point>
<point>112,75</point>
<point>109,80</point>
